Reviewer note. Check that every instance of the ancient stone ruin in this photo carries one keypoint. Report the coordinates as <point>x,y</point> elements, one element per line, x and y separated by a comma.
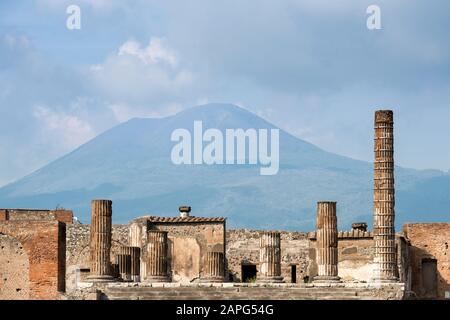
<point>327,241</point>
<point>45,254</point>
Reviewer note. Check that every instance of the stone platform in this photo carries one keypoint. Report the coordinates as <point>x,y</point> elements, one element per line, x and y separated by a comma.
<point>241,291</point>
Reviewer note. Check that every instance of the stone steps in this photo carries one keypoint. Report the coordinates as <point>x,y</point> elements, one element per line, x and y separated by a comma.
<point>236,293</point>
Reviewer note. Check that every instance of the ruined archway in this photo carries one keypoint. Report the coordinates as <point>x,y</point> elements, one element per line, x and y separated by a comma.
<point>14,269</point>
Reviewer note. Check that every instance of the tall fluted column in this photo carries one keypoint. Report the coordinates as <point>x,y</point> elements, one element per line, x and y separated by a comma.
<point>270,257</point>
<point>100,240</point>
<point>214,268</point>
<point>384,199</point>
<point>135,255</point>
<point>157,256</point>
<point>327,242</point>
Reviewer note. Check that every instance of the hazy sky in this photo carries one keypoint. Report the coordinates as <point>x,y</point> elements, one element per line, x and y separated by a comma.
<point>311,67</point>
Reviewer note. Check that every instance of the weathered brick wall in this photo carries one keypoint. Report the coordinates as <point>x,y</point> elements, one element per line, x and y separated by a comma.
<point>243,248</point>
<point>429,241</point>
<point>43,243</point>
<point>33,214</point>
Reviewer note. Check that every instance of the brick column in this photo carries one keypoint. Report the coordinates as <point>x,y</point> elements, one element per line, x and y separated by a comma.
<point>327,242</point>
<point>124,263</point>
<point>157,256</point>
<point>214,267</point>
<point>270,257</point>
<point>135,256</point>
<point>384,199</point>
<point>100,240</point>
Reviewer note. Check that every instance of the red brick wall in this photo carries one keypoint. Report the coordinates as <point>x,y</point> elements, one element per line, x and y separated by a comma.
<point>64,216</point>
<point>44,242</point>
<point>3,215</point>
<point>430,241</point>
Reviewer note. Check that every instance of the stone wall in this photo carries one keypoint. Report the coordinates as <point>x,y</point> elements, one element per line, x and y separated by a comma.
<point>188,244</point>
<point>356,254</point>
<point>430,258</point>
<point>42,244</point>
<point>77,250</point>
<point>243,249</point>
<point>14,269</point>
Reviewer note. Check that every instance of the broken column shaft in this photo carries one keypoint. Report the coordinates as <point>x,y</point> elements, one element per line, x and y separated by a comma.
<point>384,199</point>
<point>327,242</point>
<point>270,257</point>
<point>136,239</point>
<point>135,255</point>
<point>100,240</point>
<point>124,263</point>
<point>157,256</point>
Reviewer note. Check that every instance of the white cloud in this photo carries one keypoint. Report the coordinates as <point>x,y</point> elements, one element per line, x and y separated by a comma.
<point>136,76</point>
<point>155,52</point>
<point>69,130</point>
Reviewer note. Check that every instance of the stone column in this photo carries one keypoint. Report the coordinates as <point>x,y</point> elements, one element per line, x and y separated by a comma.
<point>214,267</point>
<point>157,256</point>
<point>100,240</point>
<point>270,257</point>
<point>135,238</point>
<point>135,235</point>
<point>124,263</point>
<point>384,199</point>
<point>135,255</point>
<point>327,242</point>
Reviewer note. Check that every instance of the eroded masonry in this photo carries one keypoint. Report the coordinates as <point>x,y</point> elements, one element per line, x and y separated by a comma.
<point>45,254</point>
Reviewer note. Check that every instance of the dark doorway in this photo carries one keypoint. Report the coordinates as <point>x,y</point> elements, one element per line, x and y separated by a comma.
<point>294,273</point>
<point>248,273</point>
<point>429,278</point>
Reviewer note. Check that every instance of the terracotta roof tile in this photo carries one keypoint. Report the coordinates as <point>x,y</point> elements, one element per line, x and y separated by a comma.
<point>156,219</point>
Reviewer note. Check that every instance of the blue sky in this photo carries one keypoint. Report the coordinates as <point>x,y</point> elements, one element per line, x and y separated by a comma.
<point>311,67</point>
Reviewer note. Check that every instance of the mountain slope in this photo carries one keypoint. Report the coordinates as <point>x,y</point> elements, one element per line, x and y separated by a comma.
<point>131,165</point>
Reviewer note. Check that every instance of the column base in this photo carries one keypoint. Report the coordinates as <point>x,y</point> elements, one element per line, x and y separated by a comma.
<point>136,278</point>
<point>100,278</point>
<point>157,279</point>
<point>326,279</point>
<point>126,278</point>
<point>212,279</point>
<point>385,280</point>
<point>270,280</point>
